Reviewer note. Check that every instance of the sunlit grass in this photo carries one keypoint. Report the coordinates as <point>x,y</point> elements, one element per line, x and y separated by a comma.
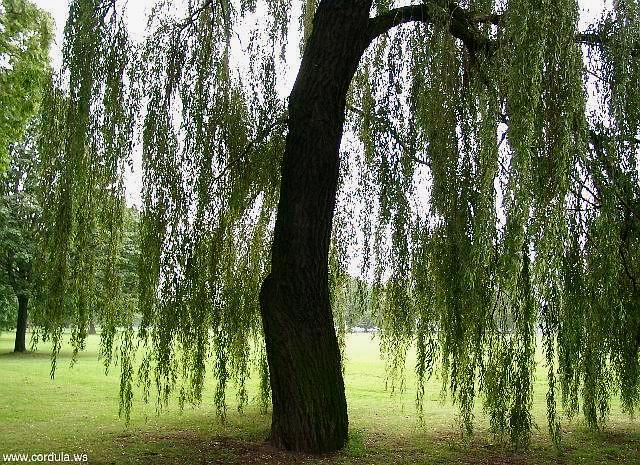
<point>77,412</point>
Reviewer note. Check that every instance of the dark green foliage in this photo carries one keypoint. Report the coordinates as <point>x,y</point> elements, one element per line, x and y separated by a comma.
<point>19,214</point>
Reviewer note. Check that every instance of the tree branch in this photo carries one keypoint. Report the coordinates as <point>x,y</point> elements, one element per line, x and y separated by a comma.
<point>613,173</point>
<point>395,134</point>
<point>193,15</point>
<point>494,18</point>
<point>462,24</point>
<point>590,38</point>
<point>261,135</point>
<point>598,39</point>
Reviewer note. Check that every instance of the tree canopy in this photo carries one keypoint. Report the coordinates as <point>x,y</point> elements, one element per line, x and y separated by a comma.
<point>25,36</point>
<point>19,223</point>
<point>488,186</point>
<point>19,212</point>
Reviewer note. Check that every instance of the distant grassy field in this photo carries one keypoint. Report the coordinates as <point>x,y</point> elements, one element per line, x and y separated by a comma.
<point>77,413</point>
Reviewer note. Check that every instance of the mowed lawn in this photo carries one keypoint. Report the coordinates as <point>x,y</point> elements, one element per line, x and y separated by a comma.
<point>77,413</point>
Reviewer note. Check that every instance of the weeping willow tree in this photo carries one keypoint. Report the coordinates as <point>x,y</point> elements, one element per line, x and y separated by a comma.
<point>488,186</point>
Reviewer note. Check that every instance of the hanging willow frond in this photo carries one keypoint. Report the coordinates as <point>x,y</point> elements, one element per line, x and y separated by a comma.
<point>489,207</point>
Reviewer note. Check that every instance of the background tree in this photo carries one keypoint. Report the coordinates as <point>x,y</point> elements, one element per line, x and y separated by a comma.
<point>353,300</point>
<point>8,309</point>
<point>25,36</point>
<point>479,104</point>
<point>19,215</point>
<point>126,263</point>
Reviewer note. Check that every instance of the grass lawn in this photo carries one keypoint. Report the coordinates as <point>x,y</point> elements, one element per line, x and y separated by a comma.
<point>77,413</point>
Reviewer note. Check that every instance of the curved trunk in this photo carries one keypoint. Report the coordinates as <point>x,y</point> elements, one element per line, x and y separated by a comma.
<point>21,327</point>
<point>309,404</point>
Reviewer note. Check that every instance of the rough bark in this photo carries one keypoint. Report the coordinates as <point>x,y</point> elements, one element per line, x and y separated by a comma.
<point>21,327</point>
<point>309,405</point>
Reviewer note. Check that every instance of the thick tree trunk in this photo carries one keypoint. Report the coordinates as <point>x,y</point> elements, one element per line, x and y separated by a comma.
<point>92,327</point>
<point>309,404</point>
<point>21,328</point>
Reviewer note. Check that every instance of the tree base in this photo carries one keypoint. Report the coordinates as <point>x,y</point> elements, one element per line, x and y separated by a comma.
<point>309,403</point>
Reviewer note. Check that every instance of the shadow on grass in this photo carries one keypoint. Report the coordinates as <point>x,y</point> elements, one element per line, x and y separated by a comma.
<point>28,354</point>
<point>43,348</point>
<point>46,354</point>
<point>187,446</point>
<point>195,447</point>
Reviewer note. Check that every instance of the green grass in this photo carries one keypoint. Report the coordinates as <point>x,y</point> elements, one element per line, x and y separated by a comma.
<point>77,412</point>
